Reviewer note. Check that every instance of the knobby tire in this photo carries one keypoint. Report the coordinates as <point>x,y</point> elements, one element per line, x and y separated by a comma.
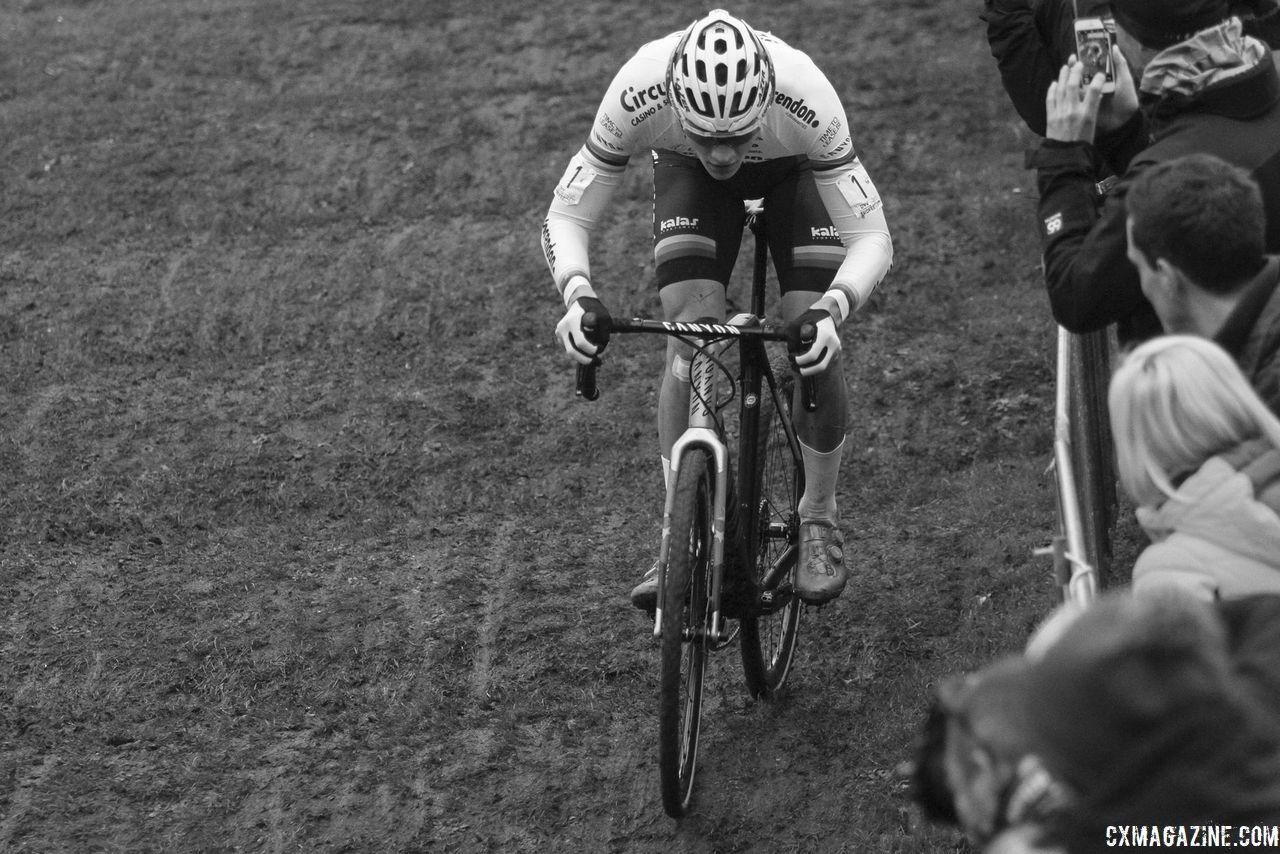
<point>685,621</point>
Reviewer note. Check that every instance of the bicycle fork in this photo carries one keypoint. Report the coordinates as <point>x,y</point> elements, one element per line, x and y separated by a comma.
<point>700,435</point>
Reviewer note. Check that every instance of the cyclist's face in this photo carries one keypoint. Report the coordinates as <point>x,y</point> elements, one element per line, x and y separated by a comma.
<point>721,156</point>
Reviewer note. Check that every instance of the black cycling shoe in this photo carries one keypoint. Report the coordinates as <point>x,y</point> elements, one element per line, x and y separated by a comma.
<point>645,594</point>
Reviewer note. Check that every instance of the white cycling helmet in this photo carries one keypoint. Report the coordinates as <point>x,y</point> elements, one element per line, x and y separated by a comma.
<point>720,78</point>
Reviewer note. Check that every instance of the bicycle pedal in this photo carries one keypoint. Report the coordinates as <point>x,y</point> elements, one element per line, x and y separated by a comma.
<point>728,635</point>
<point>772,601</point>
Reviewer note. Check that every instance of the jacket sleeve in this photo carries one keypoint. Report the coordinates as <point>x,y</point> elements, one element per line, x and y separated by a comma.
<point>1090,281</point>
<point>1119,147</point>
<point>1266,381</point>
<point>1156,569</point>
<point>1027,45</point>
<point>1253,632</point>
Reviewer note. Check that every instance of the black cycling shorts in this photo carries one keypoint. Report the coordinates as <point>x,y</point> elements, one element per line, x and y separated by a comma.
<point>698,222</point>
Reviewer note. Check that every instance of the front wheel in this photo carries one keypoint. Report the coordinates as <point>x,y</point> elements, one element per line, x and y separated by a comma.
<point>685,621</point>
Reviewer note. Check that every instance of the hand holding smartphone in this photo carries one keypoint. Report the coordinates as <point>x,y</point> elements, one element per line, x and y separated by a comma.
<point>1094,39</point>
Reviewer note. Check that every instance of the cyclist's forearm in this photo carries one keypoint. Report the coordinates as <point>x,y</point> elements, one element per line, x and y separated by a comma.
<point>581,197</point>
<point>868,256</point>
<point>858,215</point>
<point>564,243</point>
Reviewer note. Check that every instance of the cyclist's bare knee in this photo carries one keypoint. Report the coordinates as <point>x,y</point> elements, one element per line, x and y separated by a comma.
<point>693,299</point>
<point>690,300</point>
<point>829,422</point>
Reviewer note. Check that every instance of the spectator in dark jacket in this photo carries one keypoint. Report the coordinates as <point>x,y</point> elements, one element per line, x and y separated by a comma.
<point>1253,636</point>
<point>1031,40</point>
<point>1205,86</point>
<point>1197,233</point>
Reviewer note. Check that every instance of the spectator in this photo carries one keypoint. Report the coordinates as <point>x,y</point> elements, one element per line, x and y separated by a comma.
<point>1196,236</point>
<point>1261,18</point>
<point>1199,453</point>
<point>1031,40</point>
<point>1203,86</point>
<point>1136,715</point>
<point>1252,626</point>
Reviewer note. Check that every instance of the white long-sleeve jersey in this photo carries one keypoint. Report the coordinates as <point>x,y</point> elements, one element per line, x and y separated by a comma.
<point>806,118</point>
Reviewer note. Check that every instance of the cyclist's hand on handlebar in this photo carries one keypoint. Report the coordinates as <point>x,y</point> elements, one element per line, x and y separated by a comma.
<point>813,356</point>
<point>571,336</point>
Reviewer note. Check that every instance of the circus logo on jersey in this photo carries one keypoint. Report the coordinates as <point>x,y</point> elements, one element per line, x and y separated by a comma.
<point>804,115</point>
<point>641,100</point>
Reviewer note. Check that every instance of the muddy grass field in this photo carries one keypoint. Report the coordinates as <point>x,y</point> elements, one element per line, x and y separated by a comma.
<point>305,543</point>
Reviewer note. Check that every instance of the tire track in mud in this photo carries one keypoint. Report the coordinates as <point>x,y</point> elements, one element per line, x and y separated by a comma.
<point>177,261</point>
<point>473,746</point>
<point>631,767</point>
<point>44,399</point>
<point>29,433</point>
<point>21,797</point>
<point>264,812</point>
<point>495,604</point>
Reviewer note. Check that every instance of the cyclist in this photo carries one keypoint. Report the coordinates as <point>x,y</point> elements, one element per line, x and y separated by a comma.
<point>732,114</point>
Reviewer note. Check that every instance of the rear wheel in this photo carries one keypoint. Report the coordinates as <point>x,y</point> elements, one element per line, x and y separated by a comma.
<point>771,549</point>
<point>685,620</point>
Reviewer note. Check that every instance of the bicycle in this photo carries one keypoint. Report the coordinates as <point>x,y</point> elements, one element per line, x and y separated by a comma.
<point>707,507</point>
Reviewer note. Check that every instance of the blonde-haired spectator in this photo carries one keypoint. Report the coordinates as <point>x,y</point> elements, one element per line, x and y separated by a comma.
<point>1199,453</point>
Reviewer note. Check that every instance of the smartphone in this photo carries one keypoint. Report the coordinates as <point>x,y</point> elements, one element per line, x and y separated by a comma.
<point>1094,39</point>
